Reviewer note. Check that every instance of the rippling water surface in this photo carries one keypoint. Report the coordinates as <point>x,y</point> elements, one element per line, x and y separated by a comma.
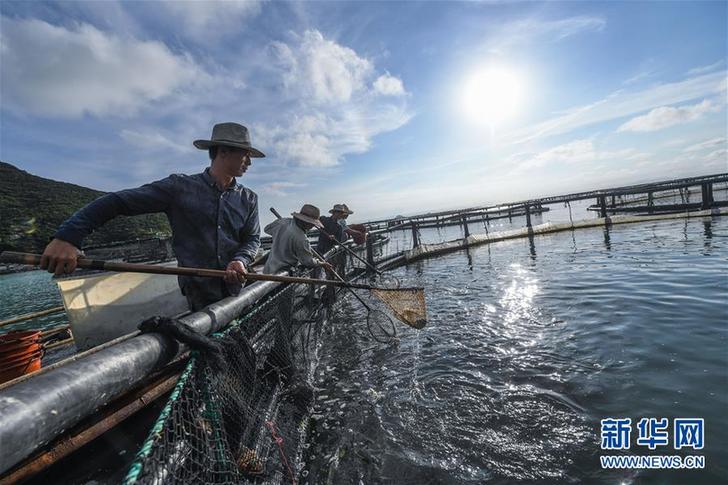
<point>28,292</point>
<point>528,346</point>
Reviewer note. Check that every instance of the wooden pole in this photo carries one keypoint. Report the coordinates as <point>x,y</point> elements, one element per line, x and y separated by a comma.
<point>30,316</point>
<point>108,418</point>
<point>34,259</point>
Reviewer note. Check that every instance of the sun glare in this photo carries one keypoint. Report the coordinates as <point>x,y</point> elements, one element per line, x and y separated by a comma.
<point>492,95</point>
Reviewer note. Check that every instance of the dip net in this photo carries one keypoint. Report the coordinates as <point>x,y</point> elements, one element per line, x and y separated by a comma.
<point>407,304</point>
<point>238,411</point>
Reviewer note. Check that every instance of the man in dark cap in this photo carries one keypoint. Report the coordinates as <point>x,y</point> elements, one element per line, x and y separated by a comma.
<point>214,219</point>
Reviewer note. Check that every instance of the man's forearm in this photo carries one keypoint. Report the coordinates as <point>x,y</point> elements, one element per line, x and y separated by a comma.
<point>89,218</point>
<point>247,251</point>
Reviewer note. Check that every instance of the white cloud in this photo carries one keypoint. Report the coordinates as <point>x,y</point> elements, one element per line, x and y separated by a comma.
<point>624,103</point>
<point>694,163</point>
<point>666,116</point>
<point>389,85</point>
<point>324,70</point>
<point>574,152</point>
<point>562,28</point>
<point>720,155</point>
<point>638,77</point>
<point>704,69</point>
<point>540,30</point>
<point>56,72</point>
<point>279,188</point>
<point>208,19</point>
<point>707,144</point>
<point>333,102</point>
<point>154,141</point>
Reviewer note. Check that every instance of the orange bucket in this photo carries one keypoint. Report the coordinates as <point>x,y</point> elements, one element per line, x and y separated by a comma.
<point>19,355</point>
<point>13,342</point>
<point>10,372</point>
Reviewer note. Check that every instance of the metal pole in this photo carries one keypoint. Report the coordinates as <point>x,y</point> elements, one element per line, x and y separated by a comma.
<point>602,206</point>
<point>415,236</point>
<point>465,227</point>
<point>650,202</point>
<point>707,195</point>
<point>370,254</point>
<point>528,215</point>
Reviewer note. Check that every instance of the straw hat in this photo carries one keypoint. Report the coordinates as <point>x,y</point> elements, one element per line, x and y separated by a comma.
<point>309,213</point>
<point>231,135</point>
<point>341,208</point>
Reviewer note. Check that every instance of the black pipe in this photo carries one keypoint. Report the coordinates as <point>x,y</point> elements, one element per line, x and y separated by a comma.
<point>35,411</point>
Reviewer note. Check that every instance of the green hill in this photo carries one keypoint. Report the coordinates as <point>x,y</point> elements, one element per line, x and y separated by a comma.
<point>32,208</point>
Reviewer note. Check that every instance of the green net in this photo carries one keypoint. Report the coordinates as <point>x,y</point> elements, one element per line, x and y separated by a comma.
<point>238,415</point>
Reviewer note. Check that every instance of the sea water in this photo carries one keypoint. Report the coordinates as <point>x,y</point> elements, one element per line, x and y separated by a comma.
<point>529,345</point>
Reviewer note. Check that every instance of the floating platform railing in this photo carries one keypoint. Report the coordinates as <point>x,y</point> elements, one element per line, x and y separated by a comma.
<point>532,206</point>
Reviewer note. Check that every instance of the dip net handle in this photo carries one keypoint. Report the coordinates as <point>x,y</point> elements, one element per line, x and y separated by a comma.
<point>35,260</point>
<point>407,304</point>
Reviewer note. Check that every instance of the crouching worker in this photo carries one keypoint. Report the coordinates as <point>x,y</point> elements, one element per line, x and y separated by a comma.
<point>290,248</point>
<point>290,244</point>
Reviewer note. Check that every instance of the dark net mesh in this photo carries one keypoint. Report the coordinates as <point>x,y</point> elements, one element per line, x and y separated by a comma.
<point>238,415</point>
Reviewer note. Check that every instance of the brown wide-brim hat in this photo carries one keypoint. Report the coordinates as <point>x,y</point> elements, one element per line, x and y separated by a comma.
<point>343,208</point>
<point>230,135</point>
<point>309,213</point>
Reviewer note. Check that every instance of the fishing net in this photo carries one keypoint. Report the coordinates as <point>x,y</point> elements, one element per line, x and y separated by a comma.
<point>407,304</point>
<point>381,326</point>
<point>238,411</point>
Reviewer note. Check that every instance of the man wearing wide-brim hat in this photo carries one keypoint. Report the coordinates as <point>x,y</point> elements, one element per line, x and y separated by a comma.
<point>335,228</point>
<point>290,245</point>
<point>214,219</point>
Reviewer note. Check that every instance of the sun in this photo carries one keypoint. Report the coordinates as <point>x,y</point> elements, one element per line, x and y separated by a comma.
<point>492,95</point>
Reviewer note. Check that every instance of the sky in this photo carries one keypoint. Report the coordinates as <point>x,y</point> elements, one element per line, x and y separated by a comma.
<point>389,107</point>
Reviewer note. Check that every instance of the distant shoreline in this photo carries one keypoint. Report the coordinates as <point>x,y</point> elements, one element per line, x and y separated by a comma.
<point>16,268</point>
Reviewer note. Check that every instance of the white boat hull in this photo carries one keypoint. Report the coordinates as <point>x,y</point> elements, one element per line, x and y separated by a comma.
<point>108,305</point>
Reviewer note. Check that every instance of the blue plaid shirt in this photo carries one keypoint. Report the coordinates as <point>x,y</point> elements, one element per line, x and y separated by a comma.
<point>210,227</point>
